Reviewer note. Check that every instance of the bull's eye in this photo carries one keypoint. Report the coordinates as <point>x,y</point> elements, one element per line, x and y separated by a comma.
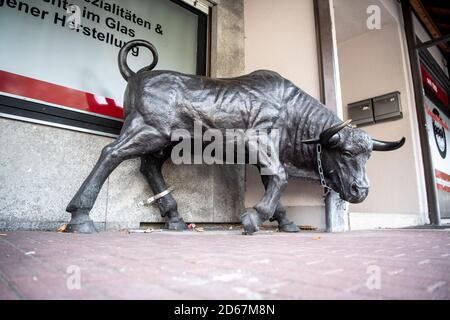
<point>347,154</point>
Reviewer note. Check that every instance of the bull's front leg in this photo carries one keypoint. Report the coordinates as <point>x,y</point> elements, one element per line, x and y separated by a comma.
<point>276,183</point>
<point>284,224</point>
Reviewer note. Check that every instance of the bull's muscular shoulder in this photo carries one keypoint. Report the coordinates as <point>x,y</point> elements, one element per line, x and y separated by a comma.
<point>266,73</point>
<point>267,78</point>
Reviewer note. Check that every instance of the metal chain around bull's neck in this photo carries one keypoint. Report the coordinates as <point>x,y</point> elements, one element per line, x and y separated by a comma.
<point>326,188</point>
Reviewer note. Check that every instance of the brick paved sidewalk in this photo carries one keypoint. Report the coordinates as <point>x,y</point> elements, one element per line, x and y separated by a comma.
<point>226,265</point>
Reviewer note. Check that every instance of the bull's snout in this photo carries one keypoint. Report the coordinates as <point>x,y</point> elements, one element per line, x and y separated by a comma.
<point>358,192</point>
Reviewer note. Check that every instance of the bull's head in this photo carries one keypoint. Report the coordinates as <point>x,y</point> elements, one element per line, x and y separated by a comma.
<point>345,151</point>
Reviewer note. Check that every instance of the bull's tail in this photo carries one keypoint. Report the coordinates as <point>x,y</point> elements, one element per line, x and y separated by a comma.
<point>123,66</point>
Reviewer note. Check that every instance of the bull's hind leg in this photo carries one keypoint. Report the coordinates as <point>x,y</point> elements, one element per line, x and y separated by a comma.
<point>284,224</point>
<point>151,168</point>
<point>135,140</point>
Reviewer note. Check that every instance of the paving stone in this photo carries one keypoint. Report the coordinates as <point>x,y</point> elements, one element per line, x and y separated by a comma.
<point>411,264</point>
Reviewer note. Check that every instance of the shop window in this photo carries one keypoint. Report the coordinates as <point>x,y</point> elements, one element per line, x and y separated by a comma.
<point>58,63</point>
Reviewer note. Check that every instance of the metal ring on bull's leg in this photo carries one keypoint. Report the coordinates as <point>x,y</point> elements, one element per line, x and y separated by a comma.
<point>155,197</point>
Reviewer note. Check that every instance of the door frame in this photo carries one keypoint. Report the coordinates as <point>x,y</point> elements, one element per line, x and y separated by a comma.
<point>413,50</point>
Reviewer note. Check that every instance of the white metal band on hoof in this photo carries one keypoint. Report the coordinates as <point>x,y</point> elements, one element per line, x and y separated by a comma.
<point>155,197</point>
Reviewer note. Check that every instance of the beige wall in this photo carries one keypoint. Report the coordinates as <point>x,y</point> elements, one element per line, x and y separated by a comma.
<point>280,36</point>
<point>372,64</point>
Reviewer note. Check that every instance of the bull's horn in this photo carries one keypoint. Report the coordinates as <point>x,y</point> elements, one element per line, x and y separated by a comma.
<point>327,134</point>
<point>330,132</point>
<point>387,145</point>
<point>311,141</point>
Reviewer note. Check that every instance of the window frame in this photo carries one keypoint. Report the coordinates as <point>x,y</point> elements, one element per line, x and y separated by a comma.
<point>40,112</point>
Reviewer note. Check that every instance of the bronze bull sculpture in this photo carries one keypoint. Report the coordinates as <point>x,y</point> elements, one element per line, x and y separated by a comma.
<point>313,142</point>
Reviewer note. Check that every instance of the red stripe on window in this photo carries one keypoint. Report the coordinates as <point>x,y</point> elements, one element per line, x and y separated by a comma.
<point>442,187</point>
<point>431,84</point>
<point>52,93</point>
<point>441,175</point>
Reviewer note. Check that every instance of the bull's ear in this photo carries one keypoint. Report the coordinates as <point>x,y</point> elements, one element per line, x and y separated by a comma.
<point>311,141</point>
<point>334,140</point>
<point>330,132</point>
<point>379,145</point>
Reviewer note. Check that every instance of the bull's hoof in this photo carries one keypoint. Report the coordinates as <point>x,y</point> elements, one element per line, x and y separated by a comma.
<point>290,227</point>
<point>251,222</point>
<point>176,225</point>
<point>81,224</point>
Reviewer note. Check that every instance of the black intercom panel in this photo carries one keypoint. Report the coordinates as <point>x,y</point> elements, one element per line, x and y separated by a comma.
<point>387,107</point>
<point>382,108</point>
<point>361,112</point>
